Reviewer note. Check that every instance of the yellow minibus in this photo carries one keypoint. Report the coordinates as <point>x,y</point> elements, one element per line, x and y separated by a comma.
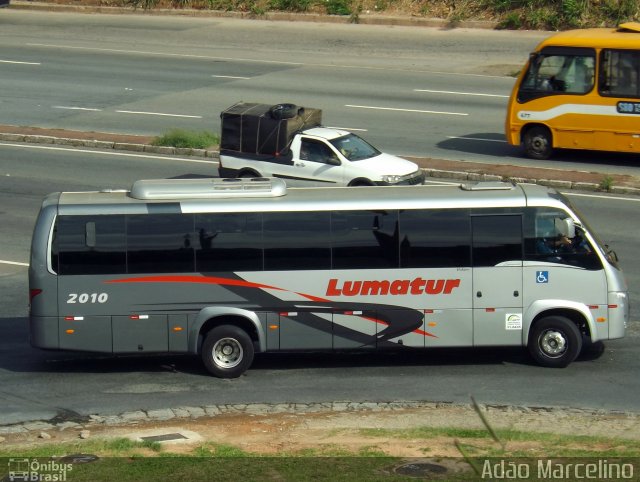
<point>580,89</point>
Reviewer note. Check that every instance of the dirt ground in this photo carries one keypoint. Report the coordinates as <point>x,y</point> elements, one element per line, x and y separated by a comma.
<point>328,432</point>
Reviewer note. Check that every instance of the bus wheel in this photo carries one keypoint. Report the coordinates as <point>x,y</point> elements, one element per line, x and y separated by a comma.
<point>538,143</point>
<point>227,351</point>
<point>555,341</point>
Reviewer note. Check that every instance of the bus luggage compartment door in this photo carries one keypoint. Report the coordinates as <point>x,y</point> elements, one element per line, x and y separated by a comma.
<point>140,333</point>
<point>85,333</point>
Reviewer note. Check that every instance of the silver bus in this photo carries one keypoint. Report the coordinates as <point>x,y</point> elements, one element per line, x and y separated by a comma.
<point>226,268</point>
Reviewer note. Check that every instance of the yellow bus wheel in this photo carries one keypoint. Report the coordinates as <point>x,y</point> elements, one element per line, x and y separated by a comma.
<point>538,143</point>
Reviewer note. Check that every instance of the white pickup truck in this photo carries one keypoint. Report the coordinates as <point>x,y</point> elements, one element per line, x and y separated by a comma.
<point>319,154</point>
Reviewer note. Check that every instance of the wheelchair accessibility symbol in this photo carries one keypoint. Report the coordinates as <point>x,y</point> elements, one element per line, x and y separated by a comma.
<point>542,276</point>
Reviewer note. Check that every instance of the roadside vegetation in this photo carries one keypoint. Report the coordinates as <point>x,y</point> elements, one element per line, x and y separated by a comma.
<point>187,139</point>
<point>124,460</point>
<point>508,14</point>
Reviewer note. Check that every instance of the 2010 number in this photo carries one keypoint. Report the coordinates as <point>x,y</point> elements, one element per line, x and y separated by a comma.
<point>87,298</point>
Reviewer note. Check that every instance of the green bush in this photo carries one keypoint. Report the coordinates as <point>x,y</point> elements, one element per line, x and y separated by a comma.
<point>338,7</point>
<point>620,10</point>
<point>146,4</point>
<point>290,5</point>
<point>187,139</point>
<point>572,11</point>
<point>511,21</point>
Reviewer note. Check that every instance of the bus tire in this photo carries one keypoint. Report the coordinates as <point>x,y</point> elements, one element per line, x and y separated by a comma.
<point>555,342</point>
<point>227,351</point>
<point>538,143</point>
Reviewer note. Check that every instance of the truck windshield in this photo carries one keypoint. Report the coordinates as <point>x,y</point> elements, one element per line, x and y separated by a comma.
<point>354,148</point>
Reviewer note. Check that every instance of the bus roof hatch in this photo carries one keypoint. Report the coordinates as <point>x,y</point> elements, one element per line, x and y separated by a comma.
<point>207,188</point>
<point>629,27</point>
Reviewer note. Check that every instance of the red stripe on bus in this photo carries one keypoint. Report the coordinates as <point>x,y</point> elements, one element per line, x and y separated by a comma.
<point>195,279</point>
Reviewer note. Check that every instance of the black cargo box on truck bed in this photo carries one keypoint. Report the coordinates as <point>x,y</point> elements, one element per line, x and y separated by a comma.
<point>264,128</point>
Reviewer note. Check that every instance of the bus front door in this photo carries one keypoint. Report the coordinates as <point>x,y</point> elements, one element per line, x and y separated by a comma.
<point>497,280</point>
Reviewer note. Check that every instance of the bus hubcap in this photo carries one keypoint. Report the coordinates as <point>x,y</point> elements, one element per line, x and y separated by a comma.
<point>539,144</point>
<point>553,343</point>
<point>227,353</point>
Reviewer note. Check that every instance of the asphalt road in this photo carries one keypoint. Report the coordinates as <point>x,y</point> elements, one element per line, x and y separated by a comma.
<point>411,91</point>
<point>37,384</point>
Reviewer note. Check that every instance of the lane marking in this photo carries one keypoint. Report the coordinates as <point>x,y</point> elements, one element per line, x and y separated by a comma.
<point>230,77</point>
<point>19,62</point>
<point>406,110</point>
<point>89,109</point>
<point>164,54</point>
<point>602,196</point>
<point>13,263</point>
<point>461,93</point>
<point>158,113</point>
<point>109,153</point>
<point>476,139</point>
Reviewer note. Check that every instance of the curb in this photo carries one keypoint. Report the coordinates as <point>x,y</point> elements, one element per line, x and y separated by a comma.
<point>98,144</point>
<point>79,422</point>
<point>214,156</point>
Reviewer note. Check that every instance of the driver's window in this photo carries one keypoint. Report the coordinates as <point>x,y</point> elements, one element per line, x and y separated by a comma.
<point>316,151</point>
<point>551,236</point>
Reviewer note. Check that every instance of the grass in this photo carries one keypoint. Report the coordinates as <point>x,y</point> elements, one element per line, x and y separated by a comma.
<point>606,183</point>
<point>518,443</point>
<point>125,460</point>
<point>187,139</point>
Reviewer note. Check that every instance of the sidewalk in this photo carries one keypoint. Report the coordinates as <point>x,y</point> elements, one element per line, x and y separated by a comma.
<point>434,168</point>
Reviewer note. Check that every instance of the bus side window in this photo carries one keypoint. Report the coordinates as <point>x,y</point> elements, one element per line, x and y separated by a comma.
<point>228,242</point>
<point>365,239</point>
<point>619,73</point>
<point>431,238</point>
<point>85,245</point>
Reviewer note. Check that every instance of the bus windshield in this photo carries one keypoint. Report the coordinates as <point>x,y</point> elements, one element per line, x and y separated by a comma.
<point>557,72</point>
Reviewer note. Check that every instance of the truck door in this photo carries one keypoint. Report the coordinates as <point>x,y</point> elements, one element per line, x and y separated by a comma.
<point>318,162</point>
<point>497,279</point>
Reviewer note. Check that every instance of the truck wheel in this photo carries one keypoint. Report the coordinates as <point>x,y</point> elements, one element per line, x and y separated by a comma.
<point>555,341</point>
<point>227,351</point>
<point>284,111</point>
<point>249,174</point>
<point>538,143</point>
<point>360,183</point>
